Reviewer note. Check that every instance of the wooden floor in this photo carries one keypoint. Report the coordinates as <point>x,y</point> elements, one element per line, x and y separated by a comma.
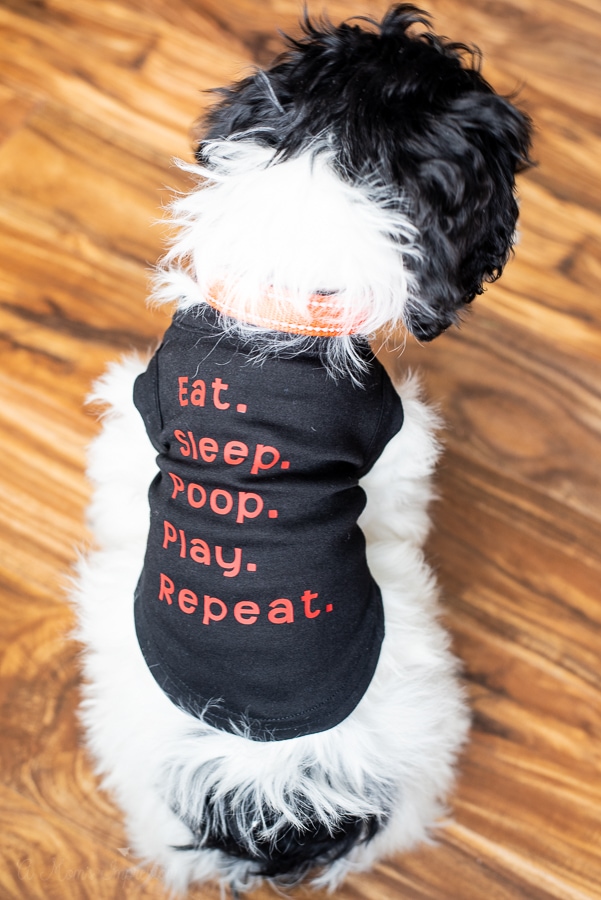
<point>96,98</point>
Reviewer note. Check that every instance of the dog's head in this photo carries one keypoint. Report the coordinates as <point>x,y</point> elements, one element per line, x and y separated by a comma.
<point>403,119</point>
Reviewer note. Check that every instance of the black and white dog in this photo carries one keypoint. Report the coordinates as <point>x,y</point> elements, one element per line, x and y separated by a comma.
<point>268,689</point>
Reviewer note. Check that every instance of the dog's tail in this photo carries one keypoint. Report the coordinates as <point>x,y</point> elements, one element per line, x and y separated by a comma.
<point>279,832</point>
<point>272,847</point>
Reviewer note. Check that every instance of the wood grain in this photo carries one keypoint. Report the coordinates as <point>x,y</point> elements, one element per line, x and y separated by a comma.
<point>96,98</point>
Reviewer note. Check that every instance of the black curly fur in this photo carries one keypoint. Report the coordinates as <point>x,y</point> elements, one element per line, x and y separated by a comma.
<point>291,853</point>
<point>413,111</point>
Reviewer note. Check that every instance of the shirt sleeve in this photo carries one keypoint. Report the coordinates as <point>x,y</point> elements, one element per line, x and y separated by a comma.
<point>390,420</point>
<point>146,401</point>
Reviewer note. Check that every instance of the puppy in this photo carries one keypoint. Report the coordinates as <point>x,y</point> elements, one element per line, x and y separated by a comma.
<point>269,693</point>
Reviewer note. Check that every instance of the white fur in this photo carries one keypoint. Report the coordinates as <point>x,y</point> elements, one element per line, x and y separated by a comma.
<point>296,227</point>
<point>398,746</point>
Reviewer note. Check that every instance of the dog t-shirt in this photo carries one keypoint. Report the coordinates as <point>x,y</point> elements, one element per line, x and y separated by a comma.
<point>255,609</point>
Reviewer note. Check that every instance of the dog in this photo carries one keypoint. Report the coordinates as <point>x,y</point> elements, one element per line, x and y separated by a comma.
<point>269,693</point>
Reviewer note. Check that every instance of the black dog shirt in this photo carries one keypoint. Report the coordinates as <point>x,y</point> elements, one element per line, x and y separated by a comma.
<point>255,608</point>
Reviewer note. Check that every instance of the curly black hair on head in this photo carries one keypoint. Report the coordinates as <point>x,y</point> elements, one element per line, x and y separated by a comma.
<point>409,110</point>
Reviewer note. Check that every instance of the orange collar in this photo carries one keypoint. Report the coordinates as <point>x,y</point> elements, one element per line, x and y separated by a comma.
<point>324,318</point>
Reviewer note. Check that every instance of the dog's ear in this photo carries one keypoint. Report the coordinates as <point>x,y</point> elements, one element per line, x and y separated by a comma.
<point>462,200</point>
<point>247,109</point>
